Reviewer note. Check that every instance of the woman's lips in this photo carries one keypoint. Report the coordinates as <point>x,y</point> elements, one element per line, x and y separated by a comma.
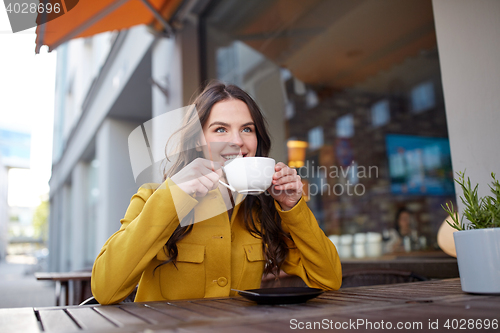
<point>232,156</point>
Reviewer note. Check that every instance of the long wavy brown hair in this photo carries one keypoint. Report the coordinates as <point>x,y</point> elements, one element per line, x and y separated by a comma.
<point>268,227</point>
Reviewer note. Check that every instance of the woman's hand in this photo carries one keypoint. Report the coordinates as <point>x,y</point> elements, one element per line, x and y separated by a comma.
<point>198,177</point>
<point>287,187</point>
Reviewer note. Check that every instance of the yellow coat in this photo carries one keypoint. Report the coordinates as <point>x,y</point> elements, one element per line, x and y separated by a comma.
<point>216,256</point>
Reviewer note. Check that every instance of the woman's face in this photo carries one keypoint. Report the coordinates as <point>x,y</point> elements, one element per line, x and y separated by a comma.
<point>404,223</point>
<point>229,132</point>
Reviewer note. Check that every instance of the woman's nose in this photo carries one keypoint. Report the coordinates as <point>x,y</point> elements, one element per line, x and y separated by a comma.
<point>236,140</point>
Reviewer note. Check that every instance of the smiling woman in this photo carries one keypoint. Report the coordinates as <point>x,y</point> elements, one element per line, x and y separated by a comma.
<point>162,247</point>
<point>230,130</point>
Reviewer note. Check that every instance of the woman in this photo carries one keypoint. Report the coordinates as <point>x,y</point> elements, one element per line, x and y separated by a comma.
<point>175,242</point>
<point>404,237</point>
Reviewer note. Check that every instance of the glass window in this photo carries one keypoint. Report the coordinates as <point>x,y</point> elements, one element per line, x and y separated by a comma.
<point>381,113</point>
<point>422,97</point>
<point>311,99</point>
<point>316,138</point>
<point>345,126</point>
<point>350,79</point>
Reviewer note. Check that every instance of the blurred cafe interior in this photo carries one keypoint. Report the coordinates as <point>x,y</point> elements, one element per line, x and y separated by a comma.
<point>354,89</point>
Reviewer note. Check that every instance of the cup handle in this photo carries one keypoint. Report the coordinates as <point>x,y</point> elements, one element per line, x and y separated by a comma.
<point>228,186</point>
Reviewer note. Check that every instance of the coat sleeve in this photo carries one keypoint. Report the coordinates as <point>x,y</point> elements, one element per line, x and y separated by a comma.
<point>150,220</point>
<point>311,256</point>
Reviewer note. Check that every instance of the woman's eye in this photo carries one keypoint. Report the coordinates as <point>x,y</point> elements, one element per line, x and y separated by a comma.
<point>247,129</point>
<point>220,130</point>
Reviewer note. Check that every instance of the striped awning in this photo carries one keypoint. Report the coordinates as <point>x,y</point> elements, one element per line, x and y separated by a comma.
<point>84,18</point>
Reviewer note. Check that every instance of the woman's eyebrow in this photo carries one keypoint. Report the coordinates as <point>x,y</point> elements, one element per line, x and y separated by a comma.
<point>220,123</point>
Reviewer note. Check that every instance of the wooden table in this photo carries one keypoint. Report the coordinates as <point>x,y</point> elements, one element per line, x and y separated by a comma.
<point>415,306</point>
<point>63,281</point>
<point>430,264</point>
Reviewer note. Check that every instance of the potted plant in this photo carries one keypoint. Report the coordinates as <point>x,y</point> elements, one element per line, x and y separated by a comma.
<point>478,241</point>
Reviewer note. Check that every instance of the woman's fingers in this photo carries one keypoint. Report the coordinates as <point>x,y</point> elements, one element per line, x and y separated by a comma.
<point>283,170</point>
<point>204,181</point>
<point>208,178</point>
<point>279,166</point>
<point>286,179</point>
<point>212,179</point>
<point>284,175</point>
<point>287,186</point>
<point>295,186</point>
<point>199,177</point>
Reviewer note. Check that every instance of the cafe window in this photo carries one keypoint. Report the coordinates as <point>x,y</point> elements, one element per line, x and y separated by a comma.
<point>345,126</point>
<point>422,97</point>
<point>380,113</point>
<point>316,138</point>
<point>352,80</point>
<point>311,99</point>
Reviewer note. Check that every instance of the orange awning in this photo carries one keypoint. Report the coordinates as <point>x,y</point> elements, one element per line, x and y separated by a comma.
<point>84,18</point>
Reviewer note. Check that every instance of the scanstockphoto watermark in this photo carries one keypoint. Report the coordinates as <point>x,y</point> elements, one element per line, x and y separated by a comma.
<point>358,324</point>
<point>336,180</point>
<point>365,324</point>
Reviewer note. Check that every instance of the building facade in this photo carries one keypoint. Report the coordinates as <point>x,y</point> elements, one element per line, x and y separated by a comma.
<point>4,210</point>
<point>370,94</point>
<point>15,152</point>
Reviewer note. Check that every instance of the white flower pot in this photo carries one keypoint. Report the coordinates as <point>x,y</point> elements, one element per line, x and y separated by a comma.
<point>478,256</point>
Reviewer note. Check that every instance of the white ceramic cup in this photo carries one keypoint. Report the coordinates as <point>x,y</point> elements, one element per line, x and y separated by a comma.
<point>359,245</point>
<point>345,248</point>
<point>373,244</point>
<point>249,175</point>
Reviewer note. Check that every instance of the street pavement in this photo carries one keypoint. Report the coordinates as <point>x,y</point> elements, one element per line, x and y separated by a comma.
<point>19,287</point>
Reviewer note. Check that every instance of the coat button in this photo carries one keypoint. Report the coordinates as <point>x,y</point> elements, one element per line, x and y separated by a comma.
<point>232,236</point>
<point>222,281</point>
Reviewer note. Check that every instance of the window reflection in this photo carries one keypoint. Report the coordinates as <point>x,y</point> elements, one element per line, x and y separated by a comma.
<point>345,126</point>
<point>381,113</point>
<point>316,137</point>
<point>352,80</point>
<point>422,97</point>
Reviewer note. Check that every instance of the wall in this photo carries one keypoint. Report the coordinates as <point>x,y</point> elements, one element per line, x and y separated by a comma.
<point>75,235</point>
<point>469,51</point>
<point>108,87</point>
<point>115,179</point>
<point>4,217</point>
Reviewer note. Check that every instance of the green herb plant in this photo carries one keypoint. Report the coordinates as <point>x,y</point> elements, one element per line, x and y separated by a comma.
<point>480,212</point>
